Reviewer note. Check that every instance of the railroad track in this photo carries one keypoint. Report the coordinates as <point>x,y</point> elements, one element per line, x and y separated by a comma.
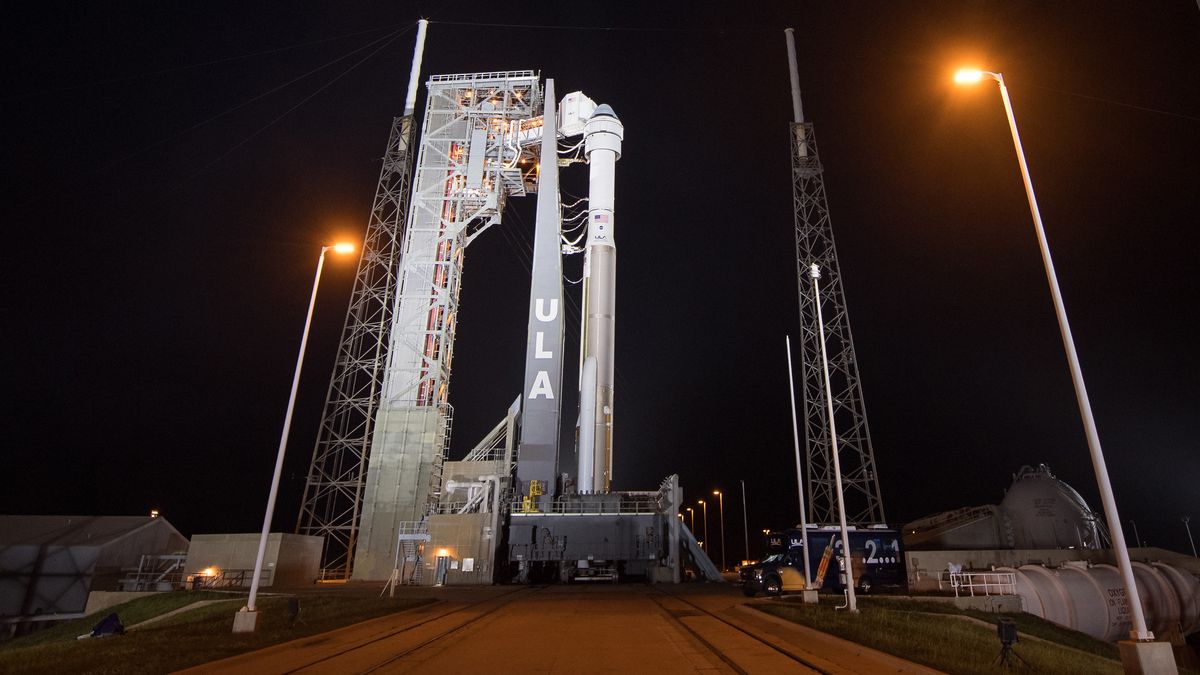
<point>455,624</point>
<point>677,616</point>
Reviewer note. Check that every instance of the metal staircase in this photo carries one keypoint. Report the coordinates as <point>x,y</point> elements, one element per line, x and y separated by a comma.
<point>692,547</point>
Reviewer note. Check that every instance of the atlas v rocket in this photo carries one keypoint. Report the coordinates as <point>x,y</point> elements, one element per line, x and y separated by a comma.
<point>538,466</point>
<point>602,135</point>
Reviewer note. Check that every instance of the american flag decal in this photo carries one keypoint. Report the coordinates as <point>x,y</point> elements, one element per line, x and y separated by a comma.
<point>600,218</point>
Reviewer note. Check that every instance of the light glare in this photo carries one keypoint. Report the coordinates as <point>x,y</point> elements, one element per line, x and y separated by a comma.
<point>343,247</point>
<point>968,76</point>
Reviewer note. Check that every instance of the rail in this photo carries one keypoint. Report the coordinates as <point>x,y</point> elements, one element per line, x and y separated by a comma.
<point>494,75</point>
<point>231,579</point>
<point>979,583</point>
<point>601,505</point>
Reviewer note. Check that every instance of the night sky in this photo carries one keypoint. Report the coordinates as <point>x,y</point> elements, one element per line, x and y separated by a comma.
<point>172,170</point>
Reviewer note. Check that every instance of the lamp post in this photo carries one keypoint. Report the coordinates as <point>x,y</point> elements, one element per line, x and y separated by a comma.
<point>1187,520</point>
<point>1140,632</point>
<point>702,503</point>
<point>1136,537</point>
<point>799,474</point>
<point>721,511</point>
<point>814,272</point>
<point>692,518</point>
<point>247,618</point>
<point>745,522</point>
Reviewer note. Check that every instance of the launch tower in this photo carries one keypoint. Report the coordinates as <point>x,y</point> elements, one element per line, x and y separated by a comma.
<point>381,488</point>
<point>814,244</point>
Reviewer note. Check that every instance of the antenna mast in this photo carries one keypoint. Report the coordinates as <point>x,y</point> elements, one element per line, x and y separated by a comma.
<point>814,245</point>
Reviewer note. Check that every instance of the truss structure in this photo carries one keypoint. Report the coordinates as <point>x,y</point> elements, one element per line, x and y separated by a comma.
<point>334,489</point>
<point>814,244</point>
<point>468,118</point>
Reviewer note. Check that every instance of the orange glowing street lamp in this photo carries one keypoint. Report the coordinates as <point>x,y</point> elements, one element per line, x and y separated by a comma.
<point>721,500</point>
<point>1140,632</point>
<point>247,618</point>
<point>701,503</point>
<point>970,75</point>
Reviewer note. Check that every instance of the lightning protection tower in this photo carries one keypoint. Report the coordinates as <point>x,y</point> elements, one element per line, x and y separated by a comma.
<point>814,244</point>
<point>333,492</point>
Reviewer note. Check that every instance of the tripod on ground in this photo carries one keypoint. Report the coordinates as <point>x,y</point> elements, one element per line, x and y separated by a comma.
<point>1006,630</point>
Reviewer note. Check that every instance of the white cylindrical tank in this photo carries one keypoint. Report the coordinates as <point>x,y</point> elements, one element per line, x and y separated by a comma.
<point>1158,597</point>
<point>1092,599</point>
<point>1187,589</point>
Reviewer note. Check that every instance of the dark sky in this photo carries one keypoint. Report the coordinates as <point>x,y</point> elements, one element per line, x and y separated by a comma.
<point>173,168</point>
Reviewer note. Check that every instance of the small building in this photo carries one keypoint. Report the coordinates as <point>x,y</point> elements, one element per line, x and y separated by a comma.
<point>50,564</point>
<point>227,560</point>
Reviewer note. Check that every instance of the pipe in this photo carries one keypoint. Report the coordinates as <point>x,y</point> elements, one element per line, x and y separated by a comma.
<point>410,102</point>
<point>794,73</point>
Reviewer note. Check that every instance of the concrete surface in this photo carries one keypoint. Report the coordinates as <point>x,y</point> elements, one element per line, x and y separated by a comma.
<point>610,628</point>
<point>100,600</point>
<point>1147,658</point>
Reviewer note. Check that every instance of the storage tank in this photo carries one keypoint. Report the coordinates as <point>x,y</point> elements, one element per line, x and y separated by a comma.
<point>1092,600</point>
<point>1187,589</point>
<point>1043,512</point>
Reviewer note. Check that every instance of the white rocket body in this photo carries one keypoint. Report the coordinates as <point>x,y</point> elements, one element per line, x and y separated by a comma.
<point>603,134</point>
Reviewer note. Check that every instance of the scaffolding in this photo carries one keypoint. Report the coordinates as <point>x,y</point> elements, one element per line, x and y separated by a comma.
<point>471,158</point>
<point>333,491</point>
<point>814,244</point>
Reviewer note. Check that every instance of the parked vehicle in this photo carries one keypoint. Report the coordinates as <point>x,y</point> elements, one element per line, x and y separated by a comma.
<point>875,559</point>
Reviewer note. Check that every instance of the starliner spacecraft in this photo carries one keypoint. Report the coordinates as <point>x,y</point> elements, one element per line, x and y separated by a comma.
<point>506,511</point>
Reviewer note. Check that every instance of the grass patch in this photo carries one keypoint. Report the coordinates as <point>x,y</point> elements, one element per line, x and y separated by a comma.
<point>132,612</point>
<point>187,639</point>
<point>1027,624</point>
<point>927,633</point>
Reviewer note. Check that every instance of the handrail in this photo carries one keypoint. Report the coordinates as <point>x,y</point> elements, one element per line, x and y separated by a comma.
<point>989,583</point>
<point>494,75</point>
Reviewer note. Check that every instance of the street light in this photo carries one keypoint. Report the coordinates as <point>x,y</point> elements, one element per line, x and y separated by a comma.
<point>745,522</point>
<point>701,503</point>
<point>692,518</point>
<point>1140,632</point>
<point>1136,537</point>
<point>1187,520</point>
<point>247,618</point>
<point>814,272</point>
<point>721,502</point>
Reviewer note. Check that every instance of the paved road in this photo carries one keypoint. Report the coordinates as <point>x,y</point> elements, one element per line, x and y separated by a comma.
<point>577,629</point>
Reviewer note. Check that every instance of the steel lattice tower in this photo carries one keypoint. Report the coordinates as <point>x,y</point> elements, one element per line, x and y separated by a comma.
<point>334,489</point>
<point>814,244</point>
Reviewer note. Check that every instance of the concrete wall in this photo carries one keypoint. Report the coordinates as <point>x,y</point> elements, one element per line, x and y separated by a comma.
<point>466,540</point>
<point>291,559</point>
<point>403,447</point>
